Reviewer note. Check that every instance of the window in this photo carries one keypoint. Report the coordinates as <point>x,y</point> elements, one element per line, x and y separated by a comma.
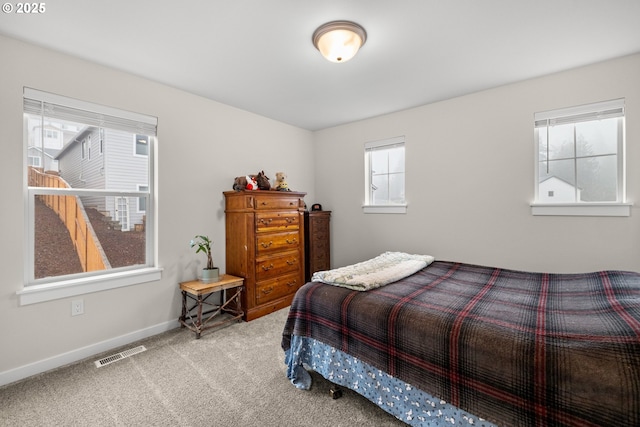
<point>385,176</point>
<point>81,235</point>
<point>83,154</point>
<point>580,161</point>
<point>142,145</point>
<point>142,202</point>
<point>50,134</point>
<point>101,142</point>
<point>35,161</point>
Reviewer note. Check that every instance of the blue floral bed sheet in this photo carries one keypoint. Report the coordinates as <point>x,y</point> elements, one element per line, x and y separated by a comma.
<point>409,404</point>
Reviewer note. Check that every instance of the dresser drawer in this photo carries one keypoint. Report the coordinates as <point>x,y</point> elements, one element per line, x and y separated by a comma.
<point>320,262</point>
<point>275,202</point>
<point>273,221</point>
<point>269,290</point>
<point>320,236</point>
<point>277,241</point>
<point>275,266</point>
<point>319,246</point>
<point>321,224</point>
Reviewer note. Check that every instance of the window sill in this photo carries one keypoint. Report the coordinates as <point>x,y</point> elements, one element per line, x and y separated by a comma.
<point>47,292</point>
<point>385,209</point>
<point>581,209</point>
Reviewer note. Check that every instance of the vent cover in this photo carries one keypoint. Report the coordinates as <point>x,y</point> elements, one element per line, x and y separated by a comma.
<point>119,356</point>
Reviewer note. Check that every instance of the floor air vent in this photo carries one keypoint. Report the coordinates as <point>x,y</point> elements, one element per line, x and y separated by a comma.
<point>119,356</point>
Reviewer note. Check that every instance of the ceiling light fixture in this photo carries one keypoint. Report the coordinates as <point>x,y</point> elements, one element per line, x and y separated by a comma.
<point>339,41</point>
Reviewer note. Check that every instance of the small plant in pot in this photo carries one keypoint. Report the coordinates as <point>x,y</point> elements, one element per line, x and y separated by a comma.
<point>203,243</point>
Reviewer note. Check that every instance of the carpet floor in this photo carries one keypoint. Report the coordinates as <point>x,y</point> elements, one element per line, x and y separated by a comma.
<point>232,376</point>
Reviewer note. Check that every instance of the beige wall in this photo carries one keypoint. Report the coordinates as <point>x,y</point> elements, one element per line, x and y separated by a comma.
<point>469,185</point>
<point>470,179</point>
<point>203,145</point>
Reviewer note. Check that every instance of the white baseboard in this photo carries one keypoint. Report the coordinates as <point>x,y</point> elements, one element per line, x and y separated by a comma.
<point>34,368</point>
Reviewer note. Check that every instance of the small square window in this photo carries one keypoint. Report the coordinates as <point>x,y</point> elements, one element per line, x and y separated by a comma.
<point>385,176</point>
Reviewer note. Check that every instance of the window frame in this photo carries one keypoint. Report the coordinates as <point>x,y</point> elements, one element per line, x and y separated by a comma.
<point>50,288</point>
<point>576,114</point>
<point>388,208</point>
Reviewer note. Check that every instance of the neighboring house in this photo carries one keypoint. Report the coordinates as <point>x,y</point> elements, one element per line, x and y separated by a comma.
<point>100,158</point>
<point>43,159</point>
<point>557,190</point>
<point>46,139</point>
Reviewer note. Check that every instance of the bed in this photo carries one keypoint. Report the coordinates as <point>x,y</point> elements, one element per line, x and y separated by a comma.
<point>460,344</point>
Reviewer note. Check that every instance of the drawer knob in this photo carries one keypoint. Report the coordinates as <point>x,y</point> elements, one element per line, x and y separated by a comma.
<point>266,245</point>
<point>267,267</point>
<point>291,262</point>
<point>289,220</point>
<point>266,221</point>
<point>291,242</point>
<point>268,290</point>
<point>291,284</point>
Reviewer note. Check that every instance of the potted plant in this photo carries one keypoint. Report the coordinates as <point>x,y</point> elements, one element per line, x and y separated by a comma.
<point>203,243</point>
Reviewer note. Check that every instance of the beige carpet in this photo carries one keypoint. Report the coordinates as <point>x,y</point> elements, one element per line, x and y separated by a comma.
<point>234,376</point>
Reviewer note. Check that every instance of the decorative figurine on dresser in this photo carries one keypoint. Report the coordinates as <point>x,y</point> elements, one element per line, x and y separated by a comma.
<point>265,246</point>
<point>317,250</point>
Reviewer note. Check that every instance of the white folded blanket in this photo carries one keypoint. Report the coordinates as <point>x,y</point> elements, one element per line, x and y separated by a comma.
<point>379,271</point>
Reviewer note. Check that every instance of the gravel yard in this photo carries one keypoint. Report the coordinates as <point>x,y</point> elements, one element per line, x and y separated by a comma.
<point>54,251</point>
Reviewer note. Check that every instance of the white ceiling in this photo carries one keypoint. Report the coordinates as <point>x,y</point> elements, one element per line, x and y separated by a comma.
<point>257,54</point>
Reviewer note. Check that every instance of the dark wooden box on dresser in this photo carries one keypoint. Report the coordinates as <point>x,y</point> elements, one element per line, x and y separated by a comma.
<point>265,246</point>
<point>317,253</point>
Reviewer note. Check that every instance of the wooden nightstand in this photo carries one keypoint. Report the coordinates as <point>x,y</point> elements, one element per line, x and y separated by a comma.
<point>317,242</point>
<point>199,292</point>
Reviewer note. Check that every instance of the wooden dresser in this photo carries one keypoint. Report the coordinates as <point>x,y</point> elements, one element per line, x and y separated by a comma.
<point>317,253</point>
<point>265,246</point>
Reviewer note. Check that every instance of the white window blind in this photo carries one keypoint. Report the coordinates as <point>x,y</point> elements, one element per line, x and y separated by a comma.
<point>65,108</point>
<point>583,113</point>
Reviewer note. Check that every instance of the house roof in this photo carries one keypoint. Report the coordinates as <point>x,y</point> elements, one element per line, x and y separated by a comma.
<point>258,56</point>
<point>558,179</point>
<point>49,152</point>
<point>77,138</point>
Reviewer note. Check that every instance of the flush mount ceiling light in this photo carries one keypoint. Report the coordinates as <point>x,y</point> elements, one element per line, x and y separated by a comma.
<point>339,41</point>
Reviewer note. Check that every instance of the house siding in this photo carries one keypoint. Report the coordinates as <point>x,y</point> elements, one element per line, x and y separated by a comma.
<point>125,171</point>
<point>71,165</point>
<point>554,189</point>
<point>116,168</point>
<point>84,172</point>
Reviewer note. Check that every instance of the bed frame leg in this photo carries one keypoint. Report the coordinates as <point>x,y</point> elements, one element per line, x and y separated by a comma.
<point>335,392</point>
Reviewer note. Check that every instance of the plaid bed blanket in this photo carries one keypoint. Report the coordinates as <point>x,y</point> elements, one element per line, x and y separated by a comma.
<point>516,348</point>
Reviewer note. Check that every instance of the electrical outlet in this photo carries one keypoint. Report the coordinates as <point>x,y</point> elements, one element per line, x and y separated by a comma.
<point>77,307</point>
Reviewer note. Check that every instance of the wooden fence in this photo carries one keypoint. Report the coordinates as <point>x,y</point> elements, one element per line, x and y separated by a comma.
<point>71,212</point>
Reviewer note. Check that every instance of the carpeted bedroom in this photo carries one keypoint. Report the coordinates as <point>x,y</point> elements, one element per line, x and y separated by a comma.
<point>233,376</point>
